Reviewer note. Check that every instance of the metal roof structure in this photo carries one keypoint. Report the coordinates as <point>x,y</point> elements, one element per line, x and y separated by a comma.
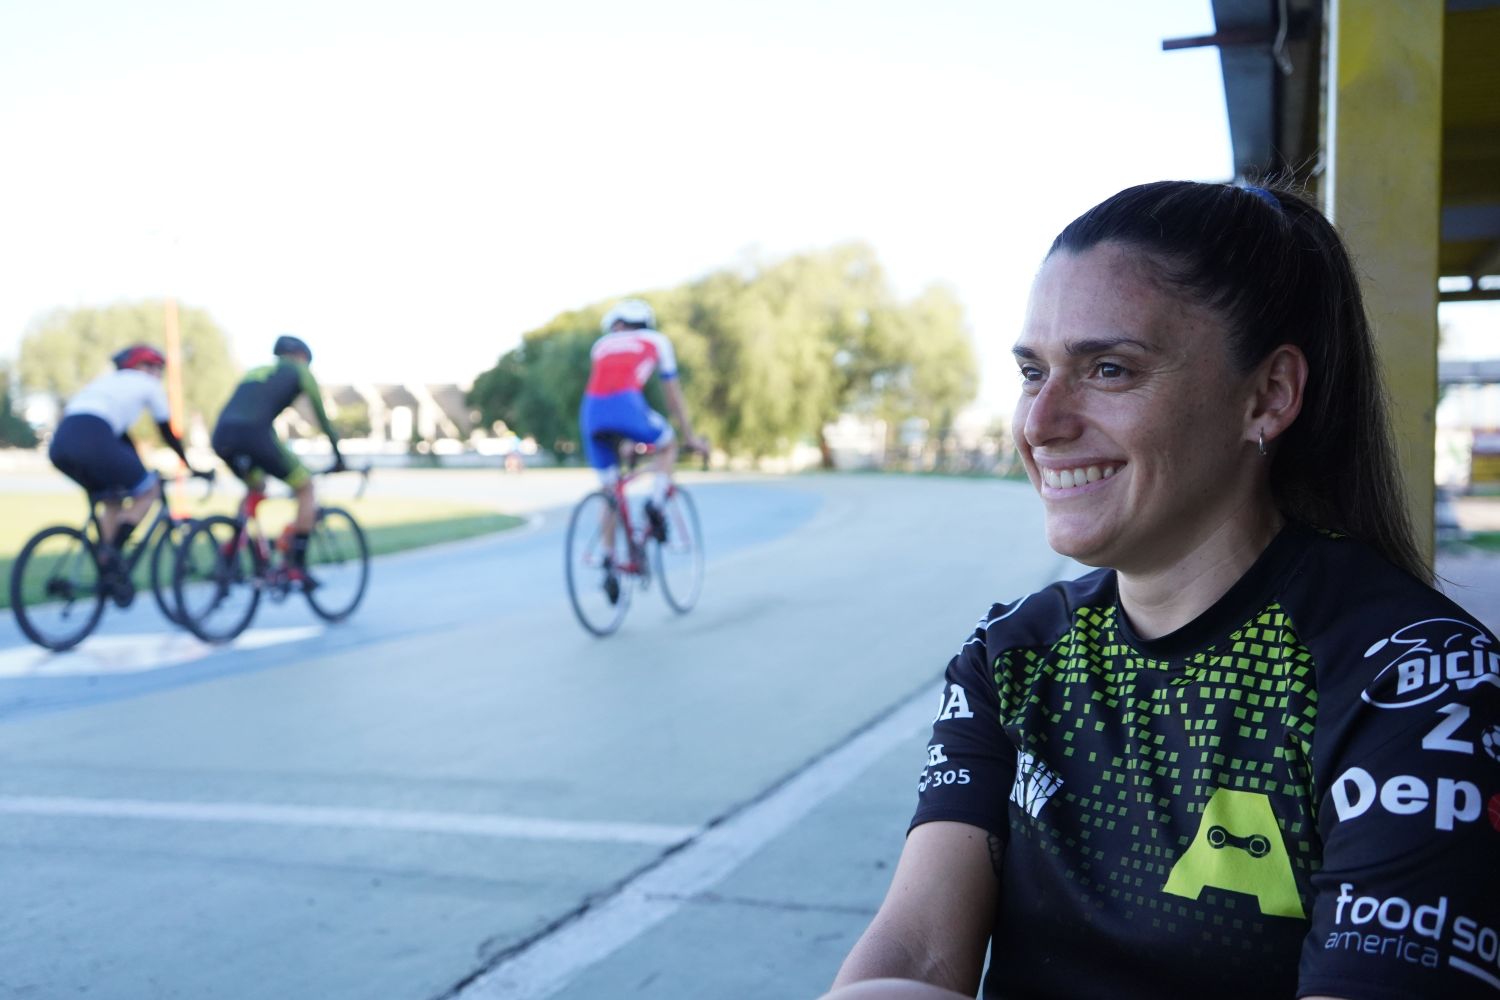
<point>1272,53</point>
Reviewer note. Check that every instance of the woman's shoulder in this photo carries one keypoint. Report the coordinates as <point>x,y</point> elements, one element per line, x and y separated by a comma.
<point>1337,579</point>
<point>1349,604</point>
<point>1042,617</point>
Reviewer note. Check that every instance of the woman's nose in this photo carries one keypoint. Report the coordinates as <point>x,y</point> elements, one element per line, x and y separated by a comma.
<point>1051,414</point>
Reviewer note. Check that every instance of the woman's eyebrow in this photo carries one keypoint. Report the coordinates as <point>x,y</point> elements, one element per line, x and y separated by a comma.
<point>1094,345</point>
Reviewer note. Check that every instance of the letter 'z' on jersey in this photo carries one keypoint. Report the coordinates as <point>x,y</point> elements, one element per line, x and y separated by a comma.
<point>1297,793</point>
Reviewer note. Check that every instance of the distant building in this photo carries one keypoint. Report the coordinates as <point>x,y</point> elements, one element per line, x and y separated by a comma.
<point>390,418</point>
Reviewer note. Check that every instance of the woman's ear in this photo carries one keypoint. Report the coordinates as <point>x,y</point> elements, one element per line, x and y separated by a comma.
<point>1279,383</point>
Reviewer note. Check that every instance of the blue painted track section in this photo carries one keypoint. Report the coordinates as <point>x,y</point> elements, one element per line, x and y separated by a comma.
<point>427,591</point>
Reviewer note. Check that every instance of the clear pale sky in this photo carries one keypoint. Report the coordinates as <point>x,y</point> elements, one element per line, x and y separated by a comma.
<point>410,187</point>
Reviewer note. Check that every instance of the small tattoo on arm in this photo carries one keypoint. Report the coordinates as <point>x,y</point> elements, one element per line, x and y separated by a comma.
<point>997,853</point>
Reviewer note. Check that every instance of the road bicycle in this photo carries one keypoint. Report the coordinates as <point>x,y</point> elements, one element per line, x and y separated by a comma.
<point>226,565</point>
<point>613,549</point>
<point>58,584</point>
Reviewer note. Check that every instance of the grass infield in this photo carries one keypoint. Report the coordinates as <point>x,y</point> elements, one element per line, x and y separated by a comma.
<point>1487,540</point>
<point>391,524</point>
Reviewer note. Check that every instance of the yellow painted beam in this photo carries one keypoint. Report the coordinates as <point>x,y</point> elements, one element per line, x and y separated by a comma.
<point>1384,152</point>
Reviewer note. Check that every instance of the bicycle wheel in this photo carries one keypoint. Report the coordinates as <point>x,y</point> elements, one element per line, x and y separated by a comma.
<point>599,594</point>
<point>214,580</point>
<point>163,562</point>
<point>55,588</point>
<point>679,559</point>
<point>338,564</point>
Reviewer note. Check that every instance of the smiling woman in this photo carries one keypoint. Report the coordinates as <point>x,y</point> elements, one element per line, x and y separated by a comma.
<point>1245,756</point>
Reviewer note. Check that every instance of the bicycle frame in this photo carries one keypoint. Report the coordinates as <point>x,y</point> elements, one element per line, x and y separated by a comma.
<point>248,532</point>
<point>631,453</point>
<point>160,523</point>
<point>601,578</point>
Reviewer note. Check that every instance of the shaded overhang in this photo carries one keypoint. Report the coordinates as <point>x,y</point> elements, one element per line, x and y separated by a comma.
<point>1273,58</point>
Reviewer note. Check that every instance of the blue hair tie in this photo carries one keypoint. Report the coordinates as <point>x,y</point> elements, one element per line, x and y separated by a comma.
<point>1264,195</point>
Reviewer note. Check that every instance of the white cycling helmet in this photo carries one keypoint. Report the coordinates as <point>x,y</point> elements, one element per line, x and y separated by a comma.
<point>634,311</point>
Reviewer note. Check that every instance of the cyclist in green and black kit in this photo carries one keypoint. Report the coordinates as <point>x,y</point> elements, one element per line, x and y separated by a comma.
<point>245,439</point>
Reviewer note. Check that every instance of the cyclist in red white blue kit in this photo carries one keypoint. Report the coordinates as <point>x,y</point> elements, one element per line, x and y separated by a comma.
<point>614,402</point>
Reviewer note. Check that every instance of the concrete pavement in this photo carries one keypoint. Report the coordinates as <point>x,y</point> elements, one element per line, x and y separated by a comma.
<point>459,794</point>
<point>395,807</point>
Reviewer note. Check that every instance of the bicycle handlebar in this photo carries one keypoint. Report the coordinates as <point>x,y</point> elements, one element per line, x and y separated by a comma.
<point>363,472</point>
<point>208,478</point>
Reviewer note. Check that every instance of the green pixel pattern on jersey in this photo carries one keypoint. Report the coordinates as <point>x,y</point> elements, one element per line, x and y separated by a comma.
<point>1152,741</point>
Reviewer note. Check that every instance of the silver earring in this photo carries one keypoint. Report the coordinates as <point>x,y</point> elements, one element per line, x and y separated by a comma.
<point>1263,441</point>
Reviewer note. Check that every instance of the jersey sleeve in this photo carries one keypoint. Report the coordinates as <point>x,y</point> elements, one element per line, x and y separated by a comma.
<point>314,396</point>
<point>666,358</point>
<point>1406,759</point>
<point>970,764</point>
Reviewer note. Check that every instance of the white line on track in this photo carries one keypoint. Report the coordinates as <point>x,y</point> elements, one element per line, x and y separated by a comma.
<point>551,962</point>
<point>463,824</point>
<point>136,653</point>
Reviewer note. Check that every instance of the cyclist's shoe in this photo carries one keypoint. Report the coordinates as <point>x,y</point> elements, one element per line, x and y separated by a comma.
<point>114,581</point>
<point>301,579</point>
<point>611,581</point>
<point>658,521</point>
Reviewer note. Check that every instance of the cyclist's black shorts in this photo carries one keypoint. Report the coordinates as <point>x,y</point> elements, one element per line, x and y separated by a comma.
<point>251,450</point>
<point>88,451</point>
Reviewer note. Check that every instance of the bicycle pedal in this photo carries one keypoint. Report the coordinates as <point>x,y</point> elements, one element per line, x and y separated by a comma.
<point>117,587</point>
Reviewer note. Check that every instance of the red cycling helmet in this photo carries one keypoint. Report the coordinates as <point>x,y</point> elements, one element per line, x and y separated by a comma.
<point>138,356</point>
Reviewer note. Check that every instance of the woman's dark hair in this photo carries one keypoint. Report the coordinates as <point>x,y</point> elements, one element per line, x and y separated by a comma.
<point>1275,271</point>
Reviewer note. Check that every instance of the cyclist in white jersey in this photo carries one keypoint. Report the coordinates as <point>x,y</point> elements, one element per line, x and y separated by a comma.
<point>92,445</point>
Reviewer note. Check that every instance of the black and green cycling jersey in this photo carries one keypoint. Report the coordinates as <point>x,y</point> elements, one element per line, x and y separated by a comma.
<point>243,436</point>
<point>1297,793</point>
<point>265,391</point>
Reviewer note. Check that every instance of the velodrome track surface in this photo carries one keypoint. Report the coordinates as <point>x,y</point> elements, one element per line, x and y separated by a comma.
<point>460,793</point>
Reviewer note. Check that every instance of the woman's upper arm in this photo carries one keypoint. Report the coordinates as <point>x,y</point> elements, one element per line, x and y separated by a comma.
<point>935,922</point>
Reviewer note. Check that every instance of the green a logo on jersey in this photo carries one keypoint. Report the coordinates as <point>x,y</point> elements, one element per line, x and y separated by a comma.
<point>1239,847</point>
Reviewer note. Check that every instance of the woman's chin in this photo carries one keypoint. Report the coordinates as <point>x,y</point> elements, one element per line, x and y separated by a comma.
<point>1086,547</point>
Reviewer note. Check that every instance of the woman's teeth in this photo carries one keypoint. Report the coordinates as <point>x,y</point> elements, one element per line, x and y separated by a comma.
<point>1069,478</point>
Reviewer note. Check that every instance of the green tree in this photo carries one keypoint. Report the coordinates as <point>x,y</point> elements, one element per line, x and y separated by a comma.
<point>71,346</point>
<point>768,352</point>
<point>15,432</point>
<point>921,364</point>
<point>537,388</point>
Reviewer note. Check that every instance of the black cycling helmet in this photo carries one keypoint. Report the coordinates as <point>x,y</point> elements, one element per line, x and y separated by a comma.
<point>138,356</point>
<point>287,344</point>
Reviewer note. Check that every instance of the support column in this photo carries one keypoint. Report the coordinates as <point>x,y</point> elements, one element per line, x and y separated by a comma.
<point>1382,189</point>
